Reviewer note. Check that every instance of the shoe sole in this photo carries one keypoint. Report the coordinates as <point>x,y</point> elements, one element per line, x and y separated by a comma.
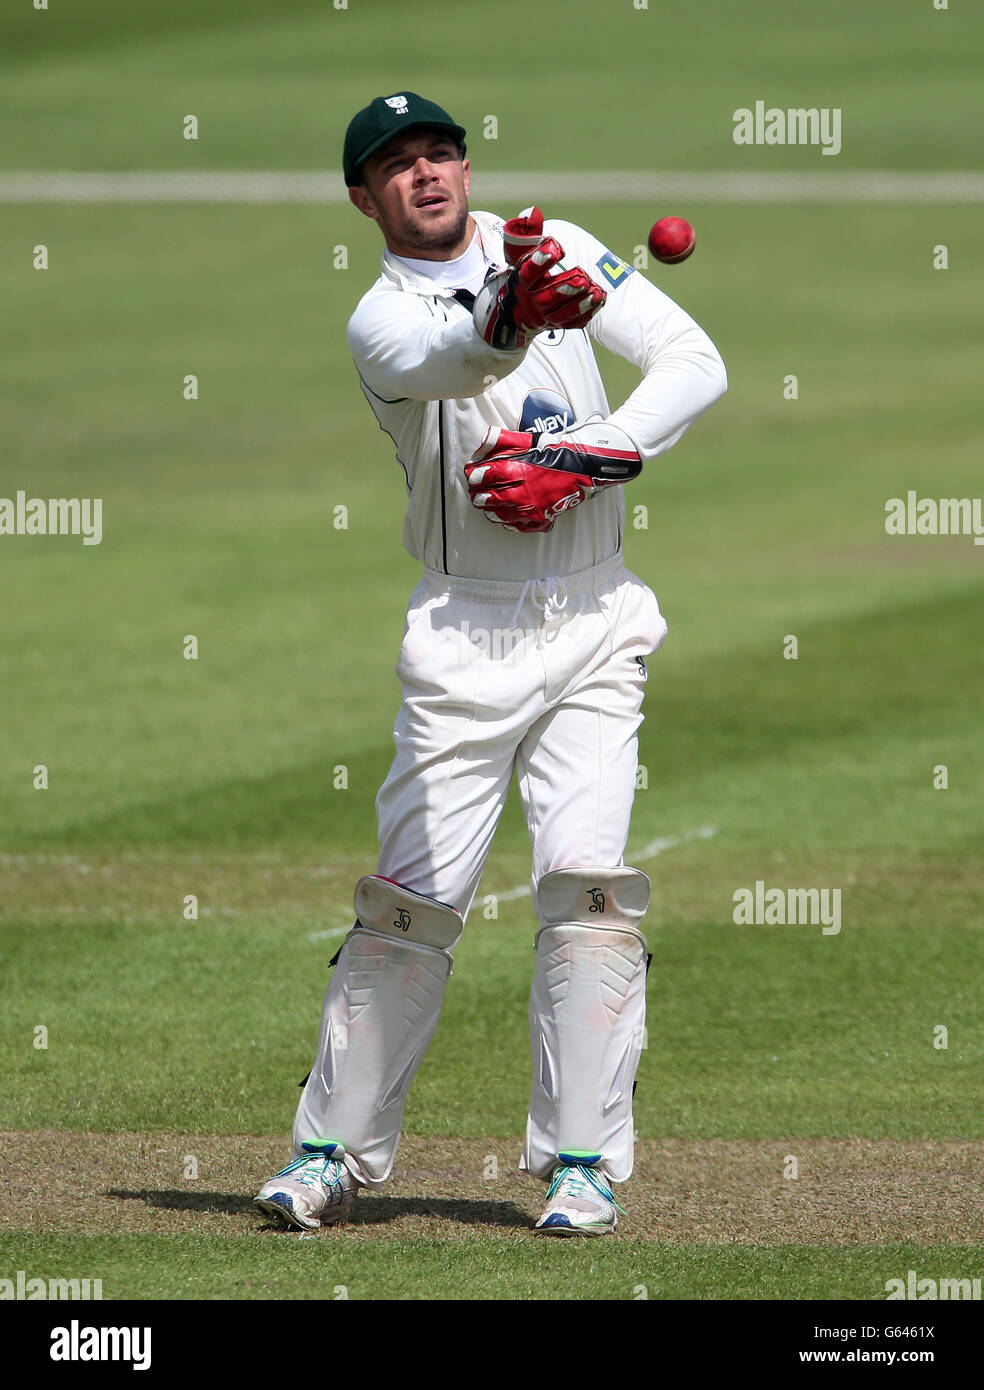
<point>282,1216</point>
<point>296,1223</point>
<point>567,1231</point>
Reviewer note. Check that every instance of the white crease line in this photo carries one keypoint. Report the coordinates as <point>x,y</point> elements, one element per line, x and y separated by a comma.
<point>703,832</point>
<point>600,186</point>
<point>327,935</point>
<point>650,851</point>
<point>511,894</point>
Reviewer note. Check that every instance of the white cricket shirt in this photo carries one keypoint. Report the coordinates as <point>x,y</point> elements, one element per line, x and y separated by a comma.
<point>435,387</point>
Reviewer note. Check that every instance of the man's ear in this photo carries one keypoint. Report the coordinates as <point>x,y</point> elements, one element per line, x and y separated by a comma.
<point>361,197</point>
<point>466,175</point>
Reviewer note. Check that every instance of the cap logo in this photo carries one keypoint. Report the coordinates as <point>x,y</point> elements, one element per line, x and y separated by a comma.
<point>399,104</point>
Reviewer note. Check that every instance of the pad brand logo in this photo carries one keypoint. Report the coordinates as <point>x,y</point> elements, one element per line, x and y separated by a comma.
<point>399,104</point>
<point>641,663</point>
<point>403,920</point>
<point>614,269</point>
<point>597,899</point>
<point>546,412</point>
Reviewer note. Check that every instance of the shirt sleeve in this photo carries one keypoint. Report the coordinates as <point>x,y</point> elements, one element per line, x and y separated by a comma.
<point>683,372</point>
<point>407,348</point>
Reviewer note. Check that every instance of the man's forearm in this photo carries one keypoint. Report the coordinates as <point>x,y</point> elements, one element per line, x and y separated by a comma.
<point>684,380</point>
<point>429,360</point>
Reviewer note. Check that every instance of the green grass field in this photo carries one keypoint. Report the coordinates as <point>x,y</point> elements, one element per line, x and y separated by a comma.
<point>169,1038</point>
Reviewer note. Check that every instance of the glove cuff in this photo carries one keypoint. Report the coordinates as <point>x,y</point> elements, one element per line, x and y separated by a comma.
<point>493,316</point>
<point>498,441</point>
<point>600,450</point>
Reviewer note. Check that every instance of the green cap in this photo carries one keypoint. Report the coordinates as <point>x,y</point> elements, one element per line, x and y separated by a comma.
<point>386,117</point>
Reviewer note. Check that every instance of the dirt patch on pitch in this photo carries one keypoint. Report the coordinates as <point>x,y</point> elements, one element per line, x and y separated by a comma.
<point>846,1191</point>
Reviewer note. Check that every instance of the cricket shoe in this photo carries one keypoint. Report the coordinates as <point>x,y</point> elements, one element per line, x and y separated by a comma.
<point>579,1199</point>
<point>314,1190</point>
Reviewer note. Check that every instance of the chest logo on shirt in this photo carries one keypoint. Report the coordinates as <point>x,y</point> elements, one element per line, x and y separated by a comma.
<point>614,269</point>
<point>545,411</point>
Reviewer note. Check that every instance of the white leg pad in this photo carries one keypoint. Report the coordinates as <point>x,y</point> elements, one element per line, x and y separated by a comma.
<point>587,1017</point>
<point>378,1019</point>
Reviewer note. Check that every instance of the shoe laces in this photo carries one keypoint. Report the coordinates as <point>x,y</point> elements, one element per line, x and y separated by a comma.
<point>313,1169</point>
<point>575,1178</point>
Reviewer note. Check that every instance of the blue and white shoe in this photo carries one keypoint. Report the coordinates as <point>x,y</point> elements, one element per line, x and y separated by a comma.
<point>579,1199</point>
<point>314,1190</point>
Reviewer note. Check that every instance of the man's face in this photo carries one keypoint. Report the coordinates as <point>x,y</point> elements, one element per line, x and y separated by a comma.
<point>416,188</point>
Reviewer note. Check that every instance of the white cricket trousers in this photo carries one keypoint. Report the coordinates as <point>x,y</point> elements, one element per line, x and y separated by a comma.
<point>544,676</point>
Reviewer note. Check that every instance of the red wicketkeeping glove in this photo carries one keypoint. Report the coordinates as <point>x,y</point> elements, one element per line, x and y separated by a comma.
<point>522,234</point>
<point>515,305</point>
<point>525,481</point>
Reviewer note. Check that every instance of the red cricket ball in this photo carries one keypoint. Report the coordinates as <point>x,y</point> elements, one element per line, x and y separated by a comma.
<point>671,239</point>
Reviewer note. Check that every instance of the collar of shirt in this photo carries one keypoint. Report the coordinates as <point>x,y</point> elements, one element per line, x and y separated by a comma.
<point>405,273</point>
<point>464,272</point>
